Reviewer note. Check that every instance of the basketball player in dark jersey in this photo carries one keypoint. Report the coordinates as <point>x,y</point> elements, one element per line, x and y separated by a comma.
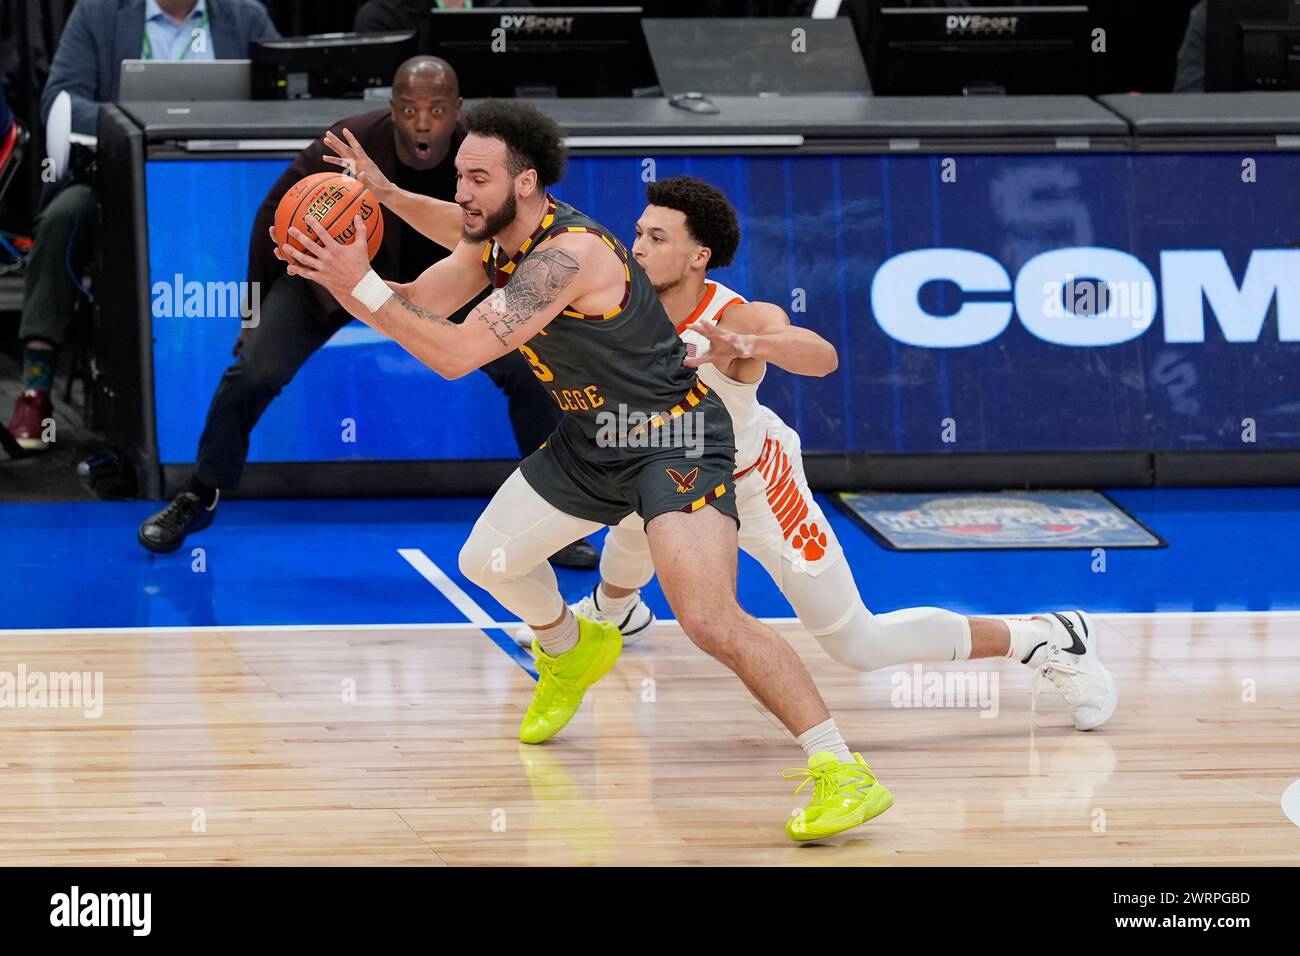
<point>641,434</point>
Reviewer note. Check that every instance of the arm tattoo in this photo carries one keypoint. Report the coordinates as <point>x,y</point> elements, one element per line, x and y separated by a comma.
<point>537,283</point>
<point>411,307</point>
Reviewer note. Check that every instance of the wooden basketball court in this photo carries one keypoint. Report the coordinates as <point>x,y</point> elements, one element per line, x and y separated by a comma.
<point>398,746</point>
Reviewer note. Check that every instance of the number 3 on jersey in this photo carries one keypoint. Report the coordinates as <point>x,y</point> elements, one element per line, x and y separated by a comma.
<point>543,373</point>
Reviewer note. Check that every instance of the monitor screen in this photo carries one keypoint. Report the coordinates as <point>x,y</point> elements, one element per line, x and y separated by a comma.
<point>1249,44</point>
<point>959,50</point>
<point>557,51</point>
<point>328,65</point>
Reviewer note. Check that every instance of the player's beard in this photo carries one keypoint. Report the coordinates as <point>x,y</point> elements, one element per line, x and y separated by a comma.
<point>662,287</point>
<point>496,222</point>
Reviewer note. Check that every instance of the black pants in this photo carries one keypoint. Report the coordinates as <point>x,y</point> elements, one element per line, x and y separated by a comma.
<point>61,248</point>
<point>292,327</point>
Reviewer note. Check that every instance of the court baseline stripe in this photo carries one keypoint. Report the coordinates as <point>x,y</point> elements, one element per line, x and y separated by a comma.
<point>511,625</point>
<point>425,567</point>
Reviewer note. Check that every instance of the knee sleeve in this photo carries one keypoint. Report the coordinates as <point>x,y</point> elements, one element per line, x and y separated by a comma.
<point>506,552</point>
<point>869,641</point>
<point>477,556</point>
<point>625,560</point>
<point>831,609</point>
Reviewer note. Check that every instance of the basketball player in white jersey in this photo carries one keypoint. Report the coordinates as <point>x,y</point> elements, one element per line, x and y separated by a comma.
<point>688,228</point>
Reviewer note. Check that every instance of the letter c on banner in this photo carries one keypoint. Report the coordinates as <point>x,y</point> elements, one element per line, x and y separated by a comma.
<point>895,298</point>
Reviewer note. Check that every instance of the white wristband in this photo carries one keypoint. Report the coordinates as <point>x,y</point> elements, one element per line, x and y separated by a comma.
<point>372,291</point>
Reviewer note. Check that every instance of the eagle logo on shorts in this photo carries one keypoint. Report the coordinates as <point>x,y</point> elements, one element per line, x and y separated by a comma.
<point>685,482</point>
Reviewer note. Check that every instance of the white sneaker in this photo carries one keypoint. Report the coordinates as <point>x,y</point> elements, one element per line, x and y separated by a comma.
<point>1070,660</point>
<point>634,623</point>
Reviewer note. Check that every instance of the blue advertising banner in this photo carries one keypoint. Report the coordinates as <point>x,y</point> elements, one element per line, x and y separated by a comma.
<point>1011,303</point>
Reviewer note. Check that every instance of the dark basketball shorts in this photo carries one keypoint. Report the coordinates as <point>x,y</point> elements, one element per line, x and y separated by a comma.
<point>605,485</point>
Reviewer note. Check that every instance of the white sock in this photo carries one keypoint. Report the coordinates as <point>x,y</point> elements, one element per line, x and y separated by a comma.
<point>825,736</point>
<point>1026,634</point>
<point>561,638</point>
<point>614,607</point>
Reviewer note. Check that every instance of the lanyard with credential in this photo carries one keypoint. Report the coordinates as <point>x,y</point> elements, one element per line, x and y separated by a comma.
<point>201,25</point>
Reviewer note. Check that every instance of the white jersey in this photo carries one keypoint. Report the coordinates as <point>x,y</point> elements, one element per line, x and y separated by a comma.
<point>751,420</point>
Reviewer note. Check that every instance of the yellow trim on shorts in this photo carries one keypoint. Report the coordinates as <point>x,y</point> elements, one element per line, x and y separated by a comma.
<point>711,497</point>
<point>693,397</point>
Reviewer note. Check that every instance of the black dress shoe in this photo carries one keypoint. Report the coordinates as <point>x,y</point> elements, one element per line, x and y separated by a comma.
<point>580,555</point>
<point>165,532</point>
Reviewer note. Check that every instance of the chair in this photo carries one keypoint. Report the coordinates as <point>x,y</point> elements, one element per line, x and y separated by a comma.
<point>13,142</point>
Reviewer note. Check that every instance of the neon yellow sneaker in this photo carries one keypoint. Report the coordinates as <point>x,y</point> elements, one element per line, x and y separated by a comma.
<point>844,796</point>
<point>564,679</point>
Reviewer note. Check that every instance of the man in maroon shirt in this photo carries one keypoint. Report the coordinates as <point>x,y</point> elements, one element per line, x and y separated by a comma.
<point>414,144</point>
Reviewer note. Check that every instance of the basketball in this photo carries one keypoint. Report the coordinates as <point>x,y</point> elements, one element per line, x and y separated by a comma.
<point>333,200</point>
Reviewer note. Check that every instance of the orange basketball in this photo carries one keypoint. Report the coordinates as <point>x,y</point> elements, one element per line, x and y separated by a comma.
<point>333,200</point>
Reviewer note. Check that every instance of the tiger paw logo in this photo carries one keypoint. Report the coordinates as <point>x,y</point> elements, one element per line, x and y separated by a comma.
<point>810,541</point>
<point>685,482</point>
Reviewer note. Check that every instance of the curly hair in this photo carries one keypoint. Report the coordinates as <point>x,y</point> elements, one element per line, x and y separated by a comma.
<point>533,140</point>
<point>710,219</point>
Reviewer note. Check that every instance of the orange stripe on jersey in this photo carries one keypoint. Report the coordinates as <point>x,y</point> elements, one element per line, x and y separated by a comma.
<point>793,520</point>
<point>784,496</point>
<point>778,485</point>
<point>758,462</point>
<point>736,301</point>
<point>789,504</point>
<point>791,516</point>
<point>709,289</point>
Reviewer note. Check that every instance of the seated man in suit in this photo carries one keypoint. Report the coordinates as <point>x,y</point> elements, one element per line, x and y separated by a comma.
<point>98,36</point>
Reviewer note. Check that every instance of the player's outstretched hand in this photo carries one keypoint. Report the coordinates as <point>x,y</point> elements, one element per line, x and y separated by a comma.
<point>724,346</point>
<point>352,157</point>
<point>334,266</point>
